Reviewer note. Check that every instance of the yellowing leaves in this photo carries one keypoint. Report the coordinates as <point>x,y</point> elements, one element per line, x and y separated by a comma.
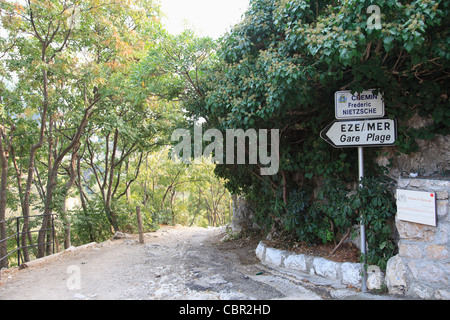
<point>18,8</point>
<point>100,81</point>
<point>113,65</point>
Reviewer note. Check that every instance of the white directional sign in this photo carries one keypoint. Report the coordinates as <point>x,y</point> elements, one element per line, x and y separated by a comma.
<point>360,133</point>
<point>362,105</point>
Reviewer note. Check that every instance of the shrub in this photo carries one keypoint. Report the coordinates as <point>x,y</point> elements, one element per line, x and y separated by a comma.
<point>337,209</point>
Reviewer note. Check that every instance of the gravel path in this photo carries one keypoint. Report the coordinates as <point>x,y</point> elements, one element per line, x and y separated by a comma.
<point>175,263</point>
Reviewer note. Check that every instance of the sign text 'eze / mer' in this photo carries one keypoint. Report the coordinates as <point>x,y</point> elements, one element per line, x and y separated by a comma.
<point>360,133</point>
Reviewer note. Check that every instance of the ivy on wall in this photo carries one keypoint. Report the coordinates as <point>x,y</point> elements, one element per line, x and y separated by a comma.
<point>280,67</point>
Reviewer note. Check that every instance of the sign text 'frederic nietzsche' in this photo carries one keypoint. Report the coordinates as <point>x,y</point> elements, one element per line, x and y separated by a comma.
<point>358,105</point>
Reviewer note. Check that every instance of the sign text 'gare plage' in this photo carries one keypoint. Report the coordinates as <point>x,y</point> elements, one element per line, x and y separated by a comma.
<point>360,133</point>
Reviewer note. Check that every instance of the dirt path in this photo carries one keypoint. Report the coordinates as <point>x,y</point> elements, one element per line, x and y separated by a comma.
<point>176,263</point>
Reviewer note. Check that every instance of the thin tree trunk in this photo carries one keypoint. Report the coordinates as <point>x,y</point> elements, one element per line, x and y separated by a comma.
<point>4,155</point>
<point>109,212</point>
<point>198,208</point>
<point>171,206</point>
<point>83,197</point>
<point>69,184</point>
<point>341,242</point>
<point>53,173</point>
<point>26,234</point>
<point>33,150</point>
<point>44,236</point>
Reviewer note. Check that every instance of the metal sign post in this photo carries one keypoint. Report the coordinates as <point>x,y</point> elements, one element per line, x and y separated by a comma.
<point>362,225</point>
<point>360,124</point>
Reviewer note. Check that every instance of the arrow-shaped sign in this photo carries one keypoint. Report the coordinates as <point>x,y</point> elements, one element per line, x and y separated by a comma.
<point>360,133</point>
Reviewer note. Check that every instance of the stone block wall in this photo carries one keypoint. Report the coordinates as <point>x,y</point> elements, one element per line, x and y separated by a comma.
<point>344,273</point>
<point>431,158</point>
<point>421,269</point>
<point>243,216</point>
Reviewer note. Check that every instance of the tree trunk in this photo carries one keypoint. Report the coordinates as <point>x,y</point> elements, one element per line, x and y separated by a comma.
<point>26,234</point>
<point>4,155</point>
<point>171,206</point>
<point>53,173</point>
<point>51,182</point>
<point>112,217</point>
<point>83,198</point>
<point>33,150</point>
<point>69,184</point>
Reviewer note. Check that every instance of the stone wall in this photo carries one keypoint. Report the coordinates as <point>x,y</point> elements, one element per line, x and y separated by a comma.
<point>243,216</point>
<point>421,269</point>
<point>430,160</point>
<point>345,273</point>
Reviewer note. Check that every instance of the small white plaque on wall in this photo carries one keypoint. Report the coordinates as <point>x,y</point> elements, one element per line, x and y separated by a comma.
<point>416,206</point>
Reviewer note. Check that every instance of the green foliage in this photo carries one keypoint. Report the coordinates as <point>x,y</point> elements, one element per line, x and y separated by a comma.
<point>90,225</point>
<point>176,193</point>
<point>86,70</point>
<point>280,67</point>
<point>338,209</point>
<point>175,67</point>
<point>375,204</point>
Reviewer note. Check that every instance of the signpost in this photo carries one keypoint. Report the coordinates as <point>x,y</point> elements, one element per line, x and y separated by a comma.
<point>360,133</point>
<point>362,105</point>
<point>363,127</point>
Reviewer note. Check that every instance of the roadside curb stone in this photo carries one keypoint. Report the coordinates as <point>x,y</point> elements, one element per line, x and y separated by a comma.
<point>345,273</point>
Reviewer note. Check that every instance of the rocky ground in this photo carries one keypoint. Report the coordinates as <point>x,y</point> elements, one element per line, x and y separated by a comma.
<point>175,263</point>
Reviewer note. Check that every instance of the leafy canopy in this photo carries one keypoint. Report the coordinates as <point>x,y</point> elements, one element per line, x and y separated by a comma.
<point>280,67</point>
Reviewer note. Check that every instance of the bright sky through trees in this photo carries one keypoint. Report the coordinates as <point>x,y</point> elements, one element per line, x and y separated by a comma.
<point>207,17</point>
